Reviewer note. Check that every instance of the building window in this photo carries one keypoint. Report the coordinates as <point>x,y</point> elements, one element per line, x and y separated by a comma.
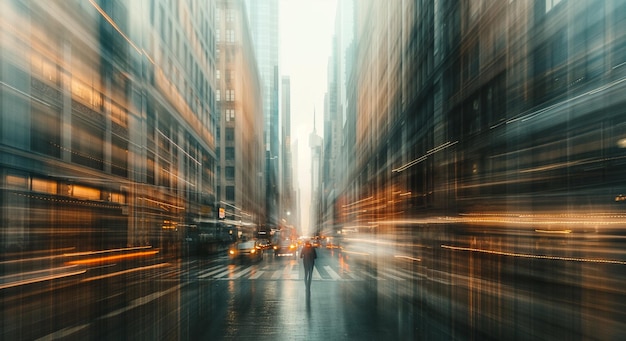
<point>218,95</point>
<point>230,134</point>
<point>218,36</point>
<point>230,15</point>
<point>229,153</point>
<point>230,95</point>
<point>230,115</point>
<point>217,74</point>
<point>230,193</point>
<point>229,172</point>
<point>230,36</point>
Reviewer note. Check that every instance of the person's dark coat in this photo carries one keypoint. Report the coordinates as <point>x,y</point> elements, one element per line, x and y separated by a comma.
<point>308,255</point>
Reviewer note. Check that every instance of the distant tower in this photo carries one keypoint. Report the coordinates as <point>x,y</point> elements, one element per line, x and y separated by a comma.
<point>315,143</point>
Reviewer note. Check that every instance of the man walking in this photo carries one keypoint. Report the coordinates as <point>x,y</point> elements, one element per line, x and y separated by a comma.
<point>308,256</point>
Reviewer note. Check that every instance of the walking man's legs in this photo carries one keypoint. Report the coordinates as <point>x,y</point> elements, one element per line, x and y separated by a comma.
<point>308,275</point>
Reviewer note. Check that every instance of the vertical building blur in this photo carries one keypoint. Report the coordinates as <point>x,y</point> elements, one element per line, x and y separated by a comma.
<point>263,18</point>
<point>125,125</point>
<point>240,189</point>
<point>484,142</point>
<point>476,147</point>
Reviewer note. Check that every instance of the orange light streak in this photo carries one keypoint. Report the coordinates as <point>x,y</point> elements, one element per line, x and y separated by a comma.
<point>97,260</point>
<point>150,267</point>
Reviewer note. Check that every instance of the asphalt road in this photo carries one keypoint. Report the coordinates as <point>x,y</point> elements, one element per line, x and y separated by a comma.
<point>204,298</point>
<point>465,287</point>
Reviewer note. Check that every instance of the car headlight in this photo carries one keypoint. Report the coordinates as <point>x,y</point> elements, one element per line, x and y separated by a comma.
<point>253,251</point>
<point>232,252</point>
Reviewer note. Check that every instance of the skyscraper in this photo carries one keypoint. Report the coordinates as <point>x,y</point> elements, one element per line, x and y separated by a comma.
<point>263,19</point>
<point>240,144</point>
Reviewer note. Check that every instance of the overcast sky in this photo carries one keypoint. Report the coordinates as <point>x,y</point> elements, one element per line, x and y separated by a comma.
<point>306,30</point>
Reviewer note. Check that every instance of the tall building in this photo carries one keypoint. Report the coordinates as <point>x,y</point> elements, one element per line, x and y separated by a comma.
<point>287,194</point>
<point>240,141</point>
<point>107,124</point>
<point>486,126</point>
<point>337,156</point>
<point>263,18</point>
<point>315,209</point>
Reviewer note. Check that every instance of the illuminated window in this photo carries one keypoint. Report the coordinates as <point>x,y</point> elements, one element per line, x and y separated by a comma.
<point>117,197</point>
<point>85,193</point>
<point>44,186</point>
<point>230,115</point>
<point>218,95</point>
<point>16,182</point>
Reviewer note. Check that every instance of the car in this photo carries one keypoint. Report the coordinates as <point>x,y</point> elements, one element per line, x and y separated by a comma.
<point>265,244</point>
<point>246,251</point>
<point>285,247</point>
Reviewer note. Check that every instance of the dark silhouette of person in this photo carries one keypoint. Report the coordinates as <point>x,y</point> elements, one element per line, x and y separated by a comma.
<point>308,256</point>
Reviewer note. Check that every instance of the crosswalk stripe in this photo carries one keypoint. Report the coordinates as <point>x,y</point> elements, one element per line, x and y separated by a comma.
<point>221,268</point>
<point>223,273</point>
<point>242,272</point>
<point>287,271</point>
<point>257,274</point>
<point>331,272</point>
<point>277,274</point>
<point>316,274</point>
<point>209,269</point>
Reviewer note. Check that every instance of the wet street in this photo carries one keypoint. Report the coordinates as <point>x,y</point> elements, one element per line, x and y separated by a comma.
<point>205,298</point>
<point>366,290</point>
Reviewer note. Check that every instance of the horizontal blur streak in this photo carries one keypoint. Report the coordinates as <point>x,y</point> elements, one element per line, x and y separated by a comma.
<point>30,277</point>
<point>109,259</point>
<point>88,253</point>
<point>512,254</point>
<point>408,258</point>
<point>124,272</point>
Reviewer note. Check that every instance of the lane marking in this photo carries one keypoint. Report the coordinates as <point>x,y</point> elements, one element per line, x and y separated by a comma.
<point>200,273</point>
<point>220,268</point>
<point>242,272</point>
<point>331,272</point>
<point>257,274</point>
